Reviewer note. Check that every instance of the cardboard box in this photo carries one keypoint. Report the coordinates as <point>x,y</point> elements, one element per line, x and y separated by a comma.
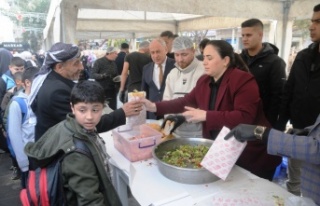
<point>136,143</point>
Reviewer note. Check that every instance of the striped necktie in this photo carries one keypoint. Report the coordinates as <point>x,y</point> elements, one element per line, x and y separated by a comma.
<point>160,74</point>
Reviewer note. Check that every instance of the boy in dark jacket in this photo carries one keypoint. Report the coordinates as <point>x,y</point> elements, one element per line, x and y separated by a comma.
<point>86,181</point>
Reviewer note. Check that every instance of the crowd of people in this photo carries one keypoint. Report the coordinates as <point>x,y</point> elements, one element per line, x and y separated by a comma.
<point>44,108</point>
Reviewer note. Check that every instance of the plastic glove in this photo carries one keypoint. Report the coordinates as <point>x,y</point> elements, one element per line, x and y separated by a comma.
<point>242,132</point>
<point>299,132</point>
<point>176,119</point>
<point>122,96</point>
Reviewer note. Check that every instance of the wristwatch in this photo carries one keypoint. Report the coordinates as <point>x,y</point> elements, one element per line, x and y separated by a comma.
<point>258,132</point>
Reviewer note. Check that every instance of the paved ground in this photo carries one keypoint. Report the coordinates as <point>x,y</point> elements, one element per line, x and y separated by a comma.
<point>9,189</point>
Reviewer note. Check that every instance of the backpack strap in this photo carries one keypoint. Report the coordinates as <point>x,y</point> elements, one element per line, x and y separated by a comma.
<point>5,79</point>
<point>82,148</point>
<point>23,107</point>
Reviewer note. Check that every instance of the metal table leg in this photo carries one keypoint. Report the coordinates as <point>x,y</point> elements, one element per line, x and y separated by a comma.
<point>120,181</point>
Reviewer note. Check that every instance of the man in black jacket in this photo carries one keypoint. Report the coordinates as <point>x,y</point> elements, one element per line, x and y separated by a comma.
<point>301,97</point>
<point>103,71</point>
<point>265,65</point>
<point>51,89</point>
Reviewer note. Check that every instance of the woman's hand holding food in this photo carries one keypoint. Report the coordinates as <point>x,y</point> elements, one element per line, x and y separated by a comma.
<point>194,115</point>
<point>150,106</point>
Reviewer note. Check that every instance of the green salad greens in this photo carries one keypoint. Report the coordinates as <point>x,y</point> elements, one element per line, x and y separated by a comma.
<point>187,156</point>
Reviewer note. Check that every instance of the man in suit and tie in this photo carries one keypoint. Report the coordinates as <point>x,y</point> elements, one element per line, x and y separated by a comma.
<point>155,73</point>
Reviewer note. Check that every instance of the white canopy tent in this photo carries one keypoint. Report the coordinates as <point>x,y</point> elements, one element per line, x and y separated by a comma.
<point>69,21</point>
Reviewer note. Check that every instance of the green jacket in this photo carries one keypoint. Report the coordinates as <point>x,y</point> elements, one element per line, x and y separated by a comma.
<point>85,181</point>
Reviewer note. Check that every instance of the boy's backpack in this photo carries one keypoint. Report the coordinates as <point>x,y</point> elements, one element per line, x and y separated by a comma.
<point>24,110</point>
<point>6,99</point>
<point>8,80</point>
<point>5,103</point>
<point>44,186</point>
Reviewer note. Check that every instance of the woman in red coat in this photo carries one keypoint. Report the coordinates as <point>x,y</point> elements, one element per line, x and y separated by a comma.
<point>224,96</point>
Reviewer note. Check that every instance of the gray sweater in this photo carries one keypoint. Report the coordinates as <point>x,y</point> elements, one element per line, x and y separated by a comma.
<point>180,82</point>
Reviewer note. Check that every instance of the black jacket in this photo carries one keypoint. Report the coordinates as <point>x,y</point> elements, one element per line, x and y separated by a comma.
<point>301,98</point>
<point>269,71</point>
<point>52,104</point>
<point>103,71</point>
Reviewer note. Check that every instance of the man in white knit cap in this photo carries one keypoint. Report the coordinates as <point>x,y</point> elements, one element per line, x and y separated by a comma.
<point>182,79</point>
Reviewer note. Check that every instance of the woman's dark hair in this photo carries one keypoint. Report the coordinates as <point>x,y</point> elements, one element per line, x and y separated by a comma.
<point>240,64</point>
<point>316,8</point>
<point>225,49</point>
<point>203,43</point>
<point>88,92</point>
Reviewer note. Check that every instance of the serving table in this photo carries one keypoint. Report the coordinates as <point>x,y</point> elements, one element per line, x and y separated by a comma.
<point>150,188</point>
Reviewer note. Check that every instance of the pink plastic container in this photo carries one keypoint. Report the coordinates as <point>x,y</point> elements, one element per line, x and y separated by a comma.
<point>136,143</point>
